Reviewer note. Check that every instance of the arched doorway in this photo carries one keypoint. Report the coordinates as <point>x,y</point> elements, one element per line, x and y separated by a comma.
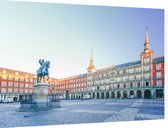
<point>159,93</point>
<point>131,92</point>
<point>93,95</point>
<point>118,94</point>
<point>139,94</point>
<point>71,96</point>
<point>112,95</point>
<point>98,96</point>
<point>124,94</point>
<point>14,99</point>
<point>147,94</point>
<point>102,95</point>
<point>67,94</point>
<point>107,95</point>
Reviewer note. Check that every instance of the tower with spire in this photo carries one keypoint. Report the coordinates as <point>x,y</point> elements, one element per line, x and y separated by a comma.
<point>146,60</point>
<point>91,67</point>
<point>147,53</point>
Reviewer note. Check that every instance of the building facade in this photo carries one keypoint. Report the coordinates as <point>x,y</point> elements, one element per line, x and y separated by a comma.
<point>139,79</point>
<point>143,78</point>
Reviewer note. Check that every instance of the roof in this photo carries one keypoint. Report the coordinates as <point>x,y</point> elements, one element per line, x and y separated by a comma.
<point>128,64</point>
<point>158,60</point>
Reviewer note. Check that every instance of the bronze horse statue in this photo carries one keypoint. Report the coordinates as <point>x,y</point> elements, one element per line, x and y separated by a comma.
<point>43,70</point>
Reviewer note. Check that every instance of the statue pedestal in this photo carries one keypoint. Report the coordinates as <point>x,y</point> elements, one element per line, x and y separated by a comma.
<point>41,92</point>
<point>41,99</point>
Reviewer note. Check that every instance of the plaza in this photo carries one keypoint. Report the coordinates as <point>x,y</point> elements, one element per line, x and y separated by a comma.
<point>86,111</point>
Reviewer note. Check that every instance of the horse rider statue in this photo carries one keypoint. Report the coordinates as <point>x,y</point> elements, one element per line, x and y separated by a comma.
<point>43,70</point>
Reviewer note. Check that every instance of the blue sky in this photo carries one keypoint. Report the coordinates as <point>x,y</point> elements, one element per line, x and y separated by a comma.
<point>65,34</point>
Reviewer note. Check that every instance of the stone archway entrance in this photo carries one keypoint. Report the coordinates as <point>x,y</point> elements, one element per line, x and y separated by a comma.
<point>112,94</point>
<point>14,99</point>
<point>147,94</point>
<point>139,94</point>
<point>124,94</point>
<point>67,94</point>
<point>118,94</point>
<point>98,96</point>
<point>102,95</point>
<point>93,95</point>
<point>107,95</point>
<point>159,93</point>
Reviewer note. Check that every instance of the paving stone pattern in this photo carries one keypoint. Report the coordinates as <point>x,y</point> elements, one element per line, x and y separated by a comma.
<point>86,111</point>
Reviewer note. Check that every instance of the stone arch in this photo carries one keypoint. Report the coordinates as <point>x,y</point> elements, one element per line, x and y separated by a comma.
<point>107,95</point>
<point>93,95</point>
<point>112,94</point>
<point>118,94</point>
<point>147,94</point>
<point>139,94</point>
<point>102,95</point>
<point>125,94</point>
<point>98,95</point>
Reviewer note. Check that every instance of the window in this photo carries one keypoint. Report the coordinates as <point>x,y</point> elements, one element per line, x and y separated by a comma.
<point>15,90</point>
<point>26,85</point>
<point>9,90</point>
<point>118,79</point>
<point>10,77</point>
<point>21,85</point>
<point>16,78</point>
<point>3,90</point>
<point>118,86</point>
<point>21,90</point>
<point>4,71</point>
<point>102,81</point>
<point>131,70</point>
<point>131,85</point>
<point>26,90</point>
<point>138,77</point>
<point>124,85</point>
<point>26,80</point>
<point>147,68</point>
<point>159,83</point>
<point>147,76</point>
<point>107,81</point>
<point>10,84</point>
<point>147,84</point>
<point>146,60</point>
<point>124,78</point>
<point>121,71</point>
<point>139,84</point>
<point>3,83</point>
<point>15,84</point>
<point>4,77</point>
<point>138,69</point>
<point>158,74</point>
<point>131,77</point>
<point>158,66</point>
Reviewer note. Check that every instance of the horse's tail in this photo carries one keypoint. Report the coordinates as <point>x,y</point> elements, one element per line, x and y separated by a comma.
<point>38,72</point>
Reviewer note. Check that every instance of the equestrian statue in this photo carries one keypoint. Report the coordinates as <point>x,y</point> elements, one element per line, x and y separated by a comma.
<point>43,70</point>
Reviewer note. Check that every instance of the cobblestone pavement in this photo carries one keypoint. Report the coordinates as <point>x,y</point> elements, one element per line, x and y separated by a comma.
<point>87,111</point>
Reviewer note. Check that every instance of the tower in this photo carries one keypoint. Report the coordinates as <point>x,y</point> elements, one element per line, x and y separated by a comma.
<point>146,62</point>
<point>91,67</point>
<point>147,54</point>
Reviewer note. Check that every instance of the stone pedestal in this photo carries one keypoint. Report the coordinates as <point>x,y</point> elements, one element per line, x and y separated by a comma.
<point>41,92</point>
<point>41,99</point>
